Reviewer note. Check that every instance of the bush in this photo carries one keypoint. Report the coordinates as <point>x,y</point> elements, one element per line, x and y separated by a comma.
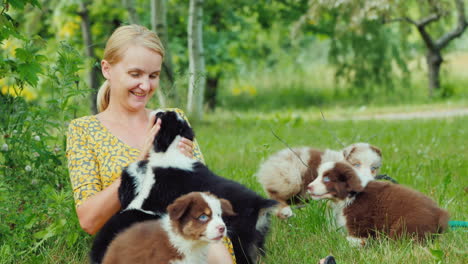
<point>36,204</point>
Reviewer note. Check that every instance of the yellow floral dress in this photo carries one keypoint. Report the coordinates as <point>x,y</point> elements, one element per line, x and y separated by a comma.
<point>96,158</point>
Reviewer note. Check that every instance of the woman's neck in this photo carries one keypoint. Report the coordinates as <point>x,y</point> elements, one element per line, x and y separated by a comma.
<point>125,116</point>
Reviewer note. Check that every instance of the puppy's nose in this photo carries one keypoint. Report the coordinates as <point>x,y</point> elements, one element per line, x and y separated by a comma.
<point>221,229</point>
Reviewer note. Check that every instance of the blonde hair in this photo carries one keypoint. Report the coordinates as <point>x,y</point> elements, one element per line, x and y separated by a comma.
<point>116,46</point>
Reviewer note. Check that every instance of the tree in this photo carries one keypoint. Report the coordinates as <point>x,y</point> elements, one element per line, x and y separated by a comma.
<point>365,52</point>
<point>197,72</point>
<point>88,44</point>
<point>132,13</point>
<point>434,47</point>
<point>358,14</point>
<point>159,25</point>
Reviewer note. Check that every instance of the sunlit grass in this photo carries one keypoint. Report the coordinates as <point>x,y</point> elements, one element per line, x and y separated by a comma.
<point>427,155</point>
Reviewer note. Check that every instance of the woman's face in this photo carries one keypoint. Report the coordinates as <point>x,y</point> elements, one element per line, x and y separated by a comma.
<point>134,78</point>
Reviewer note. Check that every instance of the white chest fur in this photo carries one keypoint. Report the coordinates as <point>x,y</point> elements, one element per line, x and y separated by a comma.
<point>194,252</point>
<point>338,210</point>
<point>171,158</point>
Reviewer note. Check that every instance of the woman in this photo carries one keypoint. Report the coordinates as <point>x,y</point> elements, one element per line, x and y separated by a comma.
<point>100,146</point>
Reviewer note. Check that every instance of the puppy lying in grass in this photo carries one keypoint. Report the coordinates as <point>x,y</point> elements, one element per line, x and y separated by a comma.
<point>286,174</point>
<point>181,236</point>
<point>369,209</point>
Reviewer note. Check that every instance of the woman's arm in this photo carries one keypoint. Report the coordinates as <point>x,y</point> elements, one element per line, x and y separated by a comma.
<point>94,212</point>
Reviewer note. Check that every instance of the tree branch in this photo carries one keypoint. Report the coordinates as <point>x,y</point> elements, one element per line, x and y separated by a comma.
<point>427,39</point>
<point>421,26</point>
<point>462,24</point>
<point>425,21</point>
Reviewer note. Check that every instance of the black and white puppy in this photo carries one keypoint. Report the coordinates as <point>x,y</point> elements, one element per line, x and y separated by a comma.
<point>149,186</point>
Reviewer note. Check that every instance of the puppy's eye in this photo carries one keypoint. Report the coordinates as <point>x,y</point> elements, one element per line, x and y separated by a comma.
<point>203,218</point>
<point>357,165</point>
<point>326,179</point>
<point>374,168</point>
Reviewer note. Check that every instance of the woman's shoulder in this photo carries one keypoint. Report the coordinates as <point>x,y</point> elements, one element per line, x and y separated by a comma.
<point>84,122</point>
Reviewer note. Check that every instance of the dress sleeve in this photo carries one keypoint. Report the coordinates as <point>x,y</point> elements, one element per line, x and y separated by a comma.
<point>82,166</point>
<point>197,154</point>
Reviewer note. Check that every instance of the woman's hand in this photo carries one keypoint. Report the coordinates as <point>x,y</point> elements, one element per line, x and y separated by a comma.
<point>186,147</point>
<point>152,131</point>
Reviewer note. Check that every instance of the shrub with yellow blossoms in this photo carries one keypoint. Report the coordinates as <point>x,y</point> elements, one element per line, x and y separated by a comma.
<point>26,92</point>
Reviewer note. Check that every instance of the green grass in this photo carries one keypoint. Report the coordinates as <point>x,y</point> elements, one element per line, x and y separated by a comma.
<point>427,155</point>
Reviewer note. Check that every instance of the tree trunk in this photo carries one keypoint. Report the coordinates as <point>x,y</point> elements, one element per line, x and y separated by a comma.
<point>212,91</point>
<point>159,25</point>
<point>132,13</point>
<point>88,43</point>
<point>197,73</point>
<point>434,60</point>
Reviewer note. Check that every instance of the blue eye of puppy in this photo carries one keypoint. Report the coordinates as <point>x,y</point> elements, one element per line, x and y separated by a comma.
<point>374,168</point>
<point>357,165</point>
<point>203,218</point>
<point>326,179</point>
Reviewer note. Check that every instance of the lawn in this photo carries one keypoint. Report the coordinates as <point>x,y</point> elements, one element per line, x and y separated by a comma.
<point>427,155</point>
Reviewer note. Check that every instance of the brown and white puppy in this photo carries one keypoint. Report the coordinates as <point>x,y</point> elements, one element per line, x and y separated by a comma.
<point>365,158</point>
<point>286,174</point>
<point>374,208</point>
<point>182,236</point>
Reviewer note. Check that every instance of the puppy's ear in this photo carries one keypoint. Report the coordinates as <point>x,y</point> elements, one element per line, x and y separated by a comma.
<point>268,204</point>
<point>353,181</point>
<point>348,150</point>
<point>187,132</point>
<point>346,174</point>
<point>158,113</point>
<point>227,207</point>
<point>377,150</point>
<point>178,208</point>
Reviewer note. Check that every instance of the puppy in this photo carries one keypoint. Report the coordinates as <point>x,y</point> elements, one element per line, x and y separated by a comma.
<point>192,222</point>
<point>286,174</point>
<point>368,209</point>
<point>149,186</point>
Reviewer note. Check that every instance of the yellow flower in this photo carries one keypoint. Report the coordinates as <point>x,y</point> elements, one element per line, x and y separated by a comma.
<point>28,93</point>
<point>10,45</point>
<point>69,28</point>
<point>251,90</point>
<point>236,91</point>
<point>244,89</point>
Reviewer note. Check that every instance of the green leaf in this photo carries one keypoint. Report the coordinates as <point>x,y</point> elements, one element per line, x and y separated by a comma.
<point>29,72</point>
<point>23,54</point>
<point>19,4</point>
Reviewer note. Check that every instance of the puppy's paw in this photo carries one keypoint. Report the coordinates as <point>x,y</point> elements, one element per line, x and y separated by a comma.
<point>356,241</point>
<point>285,212</point>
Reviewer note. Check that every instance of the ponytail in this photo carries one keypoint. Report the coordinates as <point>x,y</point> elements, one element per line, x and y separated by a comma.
<point>103,97</point>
